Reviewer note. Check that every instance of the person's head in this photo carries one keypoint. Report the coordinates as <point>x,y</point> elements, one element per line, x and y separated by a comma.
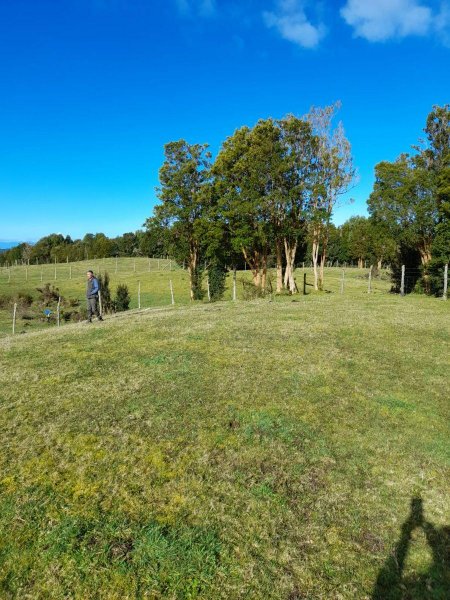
<point>90,274</point>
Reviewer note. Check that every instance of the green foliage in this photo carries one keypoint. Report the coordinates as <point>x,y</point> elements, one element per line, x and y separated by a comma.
<point>185,197</point>
<point>217,275</point>
<point>48,294</point>
<point>122,298</point>
<point>107,301</point>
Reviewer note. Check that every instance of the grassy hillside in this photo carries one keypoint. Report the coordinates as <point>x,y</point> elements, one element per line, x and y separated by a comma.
<point>154,276</point>
<point>272,450</point>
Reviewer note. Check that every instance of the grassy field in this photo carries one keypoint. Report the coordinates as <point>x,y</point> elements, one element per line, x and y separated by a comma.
<point>294,449</point>
<point>154,276</point>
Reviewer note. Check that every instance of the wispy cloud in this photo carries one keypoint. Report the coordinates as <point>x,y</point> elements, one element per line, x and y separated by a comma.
<point>292,23</point>
<point>386,19</point>
<point>200,8</point>
<point>442,24</point>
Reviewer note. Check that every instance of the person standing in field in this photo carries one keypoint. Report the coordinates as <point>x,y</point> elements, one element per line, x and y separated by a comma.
<point>92,291</point>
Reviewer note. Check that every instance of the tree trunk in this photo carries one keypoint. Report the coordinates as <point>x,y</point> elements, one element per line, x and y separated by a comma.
<point>425,257</point>
<point>315,257</point>
<point>323,258</point>
<point>192,267</point>
<point>380,264</point>
<point>279,253</point>
<point>360,263</point>
<point>258,266</point>
<point>263,271</point>
<point>290,252</point>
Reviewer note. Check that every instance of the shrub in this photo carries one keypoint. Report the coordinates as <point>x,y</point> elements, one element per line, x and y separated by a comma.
<point>122,299</point>
<point>107,302</point>
<point>24,299</point>
<point>197,277</point>
<point>48,294</point>
<point>216,276</point>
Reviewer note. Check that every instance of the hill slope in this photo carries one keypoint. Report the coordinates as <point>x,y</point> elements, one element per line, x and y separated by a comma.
<point>249,450</point>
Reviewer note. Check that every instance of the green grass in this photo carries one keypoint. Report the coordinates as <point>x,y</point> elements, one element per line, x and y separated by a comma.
<point>154,276</point>
<point>235,450</point>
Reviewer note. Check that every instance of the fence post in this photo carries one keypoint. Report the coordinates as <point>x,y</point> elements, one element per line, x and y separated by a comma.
<point>70,272</point>
<point>444,295</point>
<point>402,284</point>
<point>26,273</point>
<point>58,311</point>
<point>369,289</point>
<point>342,281</point>
<point>139,294</point>
<point>100,305</point>
<point>234,283</point>
<point>116,264</point>
<point>42,274</point>
<point>207,287</point>
<point>134,265</point>
<point>171,291</point>
<point>304,284</point>
<point>14,318</point>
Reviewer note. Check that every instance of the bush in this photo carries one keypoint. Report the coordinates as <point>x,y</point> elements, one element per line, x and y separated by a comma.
<point>24,299</point>
<point>48,294</point>
<point>197,277</point>
<point>216,277</point>
<point>107,303</point>
<point>122,299</point>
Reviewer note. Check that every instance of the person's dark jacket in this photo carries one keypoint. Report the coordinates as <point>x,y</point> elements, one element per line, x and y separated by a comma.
<point>92,288</point>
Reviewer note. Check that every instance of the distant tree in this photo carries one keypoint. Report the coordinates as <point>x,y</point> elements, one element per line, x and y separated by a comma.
<point>333,176</point>
<point>185,195</point>
<point>294,185</point>
<point>242,174</point>
<point>154,241</point>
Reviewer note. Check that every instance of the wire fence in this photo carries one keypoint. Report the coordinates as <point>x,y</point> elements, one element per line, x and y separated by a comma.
<point>156,283</point>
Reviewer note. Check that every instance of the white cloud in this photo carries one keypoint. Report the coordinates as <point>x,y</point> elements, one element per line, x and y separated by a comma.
<point>381,20</point>
<point>442,23</point>
<point>293,25</point>
<point>202,8</point>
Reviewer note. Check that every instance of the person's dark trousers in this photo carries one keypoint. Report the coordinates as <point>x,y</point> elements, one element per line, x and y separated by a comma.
<point>92,306</point>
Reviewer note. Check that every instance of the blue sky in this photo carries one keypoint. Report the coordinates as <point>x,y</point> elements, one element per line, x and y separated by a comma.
<point>92,89</point>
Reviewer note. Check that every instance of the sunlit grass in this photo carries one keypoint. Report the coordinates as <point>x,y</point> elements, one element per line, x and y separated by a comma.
<point>265,449</point>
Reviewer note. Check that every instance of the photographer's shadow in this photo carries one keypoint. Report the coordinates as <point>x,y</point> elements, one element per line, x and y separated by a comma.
<point>391,582</point>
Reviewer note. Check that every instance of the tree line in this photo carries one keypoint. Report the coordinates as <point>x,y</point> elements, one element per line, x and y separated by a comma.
<point>62,248</point>
<point>268,198</point>
<point>272,190</point>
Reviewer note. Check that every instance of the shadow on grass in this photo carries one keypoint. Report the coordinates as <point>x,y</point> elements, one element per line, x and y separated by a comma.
<point>391,583</point>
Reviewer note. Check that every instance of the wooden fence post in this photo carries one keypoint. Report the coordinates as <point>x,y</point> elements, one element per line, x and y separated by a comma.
<point>444,295</point>
<point>139,294</point>
<point>342,281</point>
<point>100,305</point>
<point>402,284</point>
<point>14,318</point>
<point>234,283</point>
<point>207,287</point>
<point>171,291</point>
<point>369,289</point>
<point>304,284</point>
<point>58,311</point>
